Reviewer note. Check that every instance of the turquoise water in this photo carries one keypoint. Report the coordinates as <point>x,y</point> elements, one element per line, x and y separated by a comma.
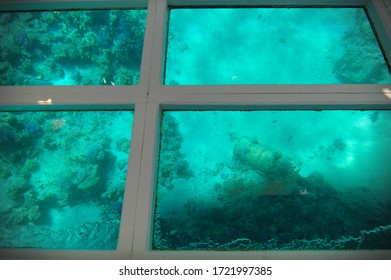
<point>99,47</point>
<point>255,180</point>
<point>273,46</point>
<point>62,178</point>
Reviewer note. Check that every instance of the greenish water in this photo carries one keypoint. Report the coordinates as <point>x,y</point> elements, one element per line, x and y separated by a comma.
<point>256,180</point>
<point>62,178</point>
<point>272,46</point>
<point>98,47</point>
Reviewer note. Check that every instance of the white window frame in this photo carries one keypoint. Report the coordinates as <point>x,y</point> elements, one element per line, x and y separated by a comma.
<point>150,97</point>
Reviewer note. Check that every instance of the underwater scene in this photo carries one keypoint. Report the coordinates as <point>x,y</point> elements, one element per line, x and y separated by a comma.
<point>62,178</point>
<point>97,47</point>
<point>273,180</point>
<point>273,46</point>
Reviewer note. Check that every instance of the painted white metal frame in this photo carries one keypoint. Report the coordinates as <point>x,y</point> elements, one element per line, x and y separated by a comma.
<point>150,97</point>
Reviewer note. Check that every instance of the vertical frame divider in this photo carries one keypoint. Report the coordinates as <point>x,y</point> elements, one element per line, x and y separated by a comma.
<point>143,224</point>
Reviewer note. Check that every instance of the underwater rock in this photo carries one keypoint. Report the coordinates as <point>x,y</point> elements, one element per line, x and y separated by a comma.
<point>58,124</point>
<point>29,166</point>
<point>91,179</point>
<point>362,61</point>
<point>117,206</point>
<point>16,186</point>
<point>359,67</point>
<point>240,183</point>
<point>96,153</point>
<point>7,134</point>
<point>33,129</point>
<point>114,189</point>
<point>33,213</point>
<point>4,66</point>
<point>173,164</point>
<point>377,238</point>
<point>374,116</point>
<point>123,145</point>
<point>182,169</point>
<point>240,243</point>
<point>125,76</point>
<point>76,175</point>
<point>339,144</point>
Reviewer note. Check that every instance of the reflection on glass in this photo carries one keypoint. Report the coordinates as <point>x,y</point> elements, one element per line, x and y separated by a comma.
<point>261,180</point>
<point>273,46</point>
<point>100,47</point>
<point>62,178</point>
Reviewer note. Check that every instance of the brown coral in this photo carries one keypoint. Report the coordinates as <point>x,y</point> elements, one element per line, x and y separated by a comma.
<point>58,124</point>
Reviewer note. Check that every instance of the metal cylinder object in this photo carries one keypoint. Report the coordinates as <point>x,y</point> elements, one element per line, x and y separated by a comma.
<point>254,154</point>
<point>272,164</point>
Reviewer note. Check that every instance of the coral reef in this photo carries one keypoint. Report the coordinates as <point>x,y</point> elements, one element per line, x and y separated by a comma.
<point>71,47</point>
<point>378,238</point>
<point>362,61</point>
<point>172,164</point>
<point>261,202</point>
<point>249,222</point>
<point>53,160</point>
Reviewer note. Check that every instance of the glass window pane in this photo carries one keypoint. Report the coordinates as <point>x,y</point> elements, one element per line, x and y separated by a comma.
<point>272,46</point>
<point>99,47</point>
<point>62,178</point>
<point>261,180</point>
